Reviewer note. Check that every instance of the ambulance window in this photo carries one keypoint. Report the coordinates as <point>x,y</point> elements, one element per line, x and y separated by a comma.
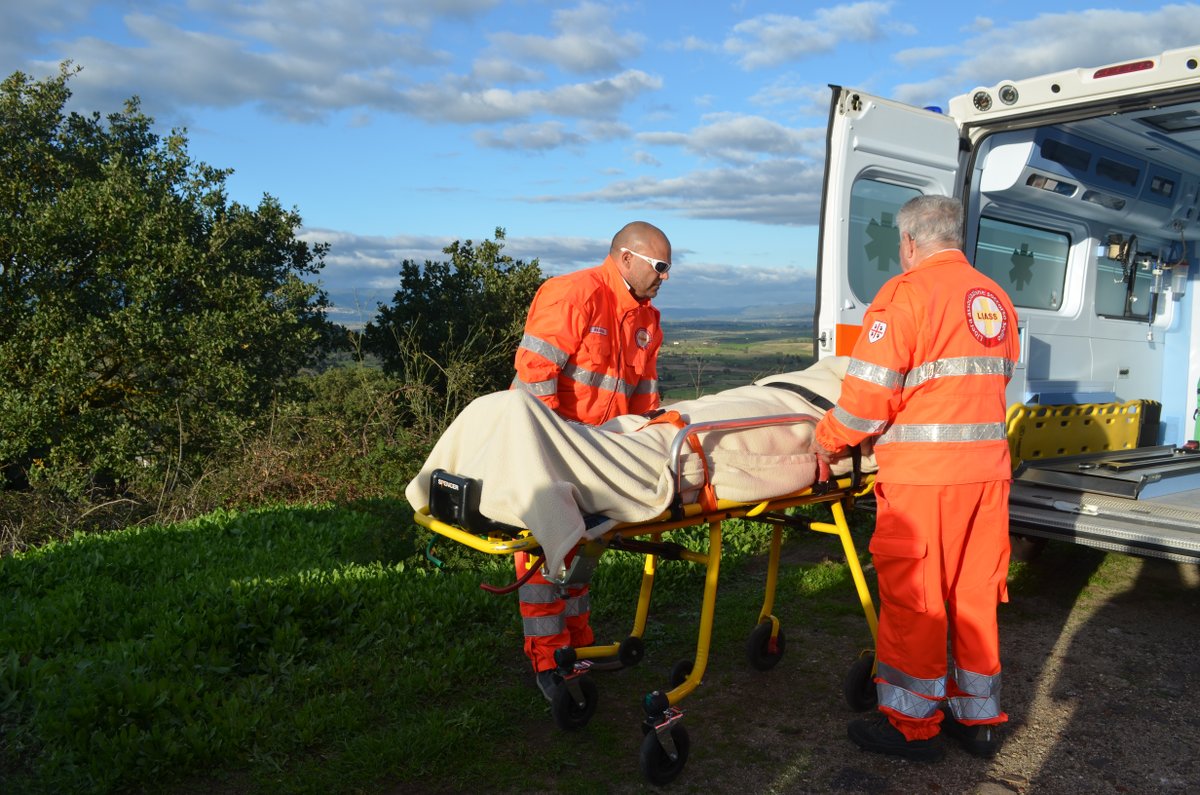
<point>1029,263</point>
<point>874,245</point>
<point>1122,293</point>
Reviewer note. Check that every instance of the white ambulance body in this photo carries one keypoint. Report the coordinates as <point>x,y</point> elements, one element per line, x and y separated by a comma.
<point>1082,198</point>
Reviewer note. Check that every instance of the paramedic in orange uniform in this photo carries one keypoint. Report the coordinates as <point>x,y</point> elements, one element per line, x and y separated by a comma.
<point>927,379</point>
<point>590,352</point>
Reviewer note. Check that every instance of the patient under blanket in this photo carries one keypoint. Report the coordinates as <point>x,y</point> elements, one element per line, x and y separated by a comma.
<point>544,473</point>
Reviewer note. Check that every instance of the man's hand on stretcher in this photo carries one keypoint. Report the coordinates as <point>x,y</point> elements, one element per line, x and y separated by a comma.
<point>825,458</point>
<point>826,455</point>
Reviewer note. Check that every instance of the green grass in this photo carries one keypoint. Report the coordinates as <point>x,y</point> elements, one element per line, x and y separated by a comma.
<point>315,650</point>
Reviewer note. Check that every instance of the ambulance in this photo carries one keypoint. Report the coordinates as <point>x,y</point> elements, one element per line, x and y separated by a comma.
<point>1081,192</point>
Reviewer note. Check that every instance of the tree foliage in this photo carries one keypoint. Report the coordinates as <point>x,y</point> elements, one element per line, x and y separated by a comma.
<point>453,327</point>
<point>144,317</point>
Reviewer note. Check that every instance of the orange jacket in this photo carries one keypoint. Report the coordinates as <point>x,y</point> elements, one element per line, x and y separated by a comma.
<point>590,348</point>
<point>927,376</point>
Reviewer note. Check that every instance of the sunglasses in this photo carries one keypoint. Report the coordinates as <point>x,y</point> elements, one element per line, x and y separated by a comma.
<point>659,265</point>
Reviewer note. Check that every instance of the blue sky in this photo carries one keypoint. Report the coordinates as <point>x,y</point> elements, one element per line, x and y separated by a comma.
<point>397,126</point>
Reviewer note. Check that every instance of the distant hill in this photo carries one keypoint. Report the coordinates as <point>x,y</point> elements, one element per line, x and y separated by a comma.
<point>766,313</point>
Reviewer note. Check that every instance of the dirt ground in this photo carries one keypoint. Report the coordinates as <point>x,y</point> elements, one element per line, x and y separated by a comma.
<point>1100,678</point>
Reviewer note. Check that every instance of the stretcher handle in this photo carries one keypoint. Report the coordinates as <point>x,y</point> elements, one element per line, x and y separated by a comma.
<point>503,589</point>
<point>724,425</point>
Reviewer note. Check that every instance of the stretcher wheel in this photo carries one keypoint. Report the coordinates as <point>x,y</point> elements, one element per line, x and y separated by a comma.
<point>761,650</point>
<point>568,713</point>
<point>680,672</point>
<point>631,651</point>
<point>658,768</point>
<point>859,687</point>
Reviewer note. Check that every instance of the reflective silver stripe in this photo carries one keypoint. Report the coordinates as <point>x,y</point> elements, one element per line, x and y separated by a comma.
<point>933,688</point>
<point>962,365</point>
<point>646,387</point>
<point>967,708</point>
<point>945,432</point>
<point>984,701</point>
<point>597,380</point>
<point>539,594</point>
<point>537,388</point>
<point>578,605</point>
<point>543,626</point>
<point>544,349</point>
<point>875,374</point>
<point>904,702</point>
<point>855,423</point>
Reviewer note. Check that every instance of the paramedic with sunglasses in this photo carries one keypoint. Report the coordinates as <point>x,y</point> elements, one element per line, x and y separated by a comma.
<point>590,353</point>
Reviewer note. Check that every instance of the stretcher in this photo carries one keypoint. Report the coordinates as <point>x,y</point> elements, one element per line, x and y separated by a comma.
<point>665,746</point>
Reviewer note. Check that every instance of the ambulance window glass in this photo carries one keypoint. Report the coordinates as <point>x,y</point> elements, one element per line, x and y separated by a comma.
<point>1116,297</point>
<point>1029,263</point>
<point>874,245</point>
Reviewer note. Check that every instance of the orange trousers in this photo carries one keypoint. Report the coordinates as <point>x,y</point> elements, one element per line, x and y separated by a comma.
<point>941,553</point>
<point>552,617</point>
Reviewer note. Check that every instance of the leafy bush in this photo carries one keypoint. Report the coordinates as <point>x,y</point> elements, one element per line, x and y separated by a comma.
<point>453,327</point>
<point>145,320</point>
<point>339,435</point>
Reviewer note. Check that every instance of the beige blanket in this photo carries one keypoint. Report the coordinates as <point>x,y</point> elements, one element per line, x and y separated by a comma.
<point>544,473</point>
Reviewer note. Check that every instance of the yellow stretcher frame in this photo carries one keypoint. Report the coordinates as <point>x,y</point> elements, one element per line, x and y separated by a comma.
<point>665,746</point>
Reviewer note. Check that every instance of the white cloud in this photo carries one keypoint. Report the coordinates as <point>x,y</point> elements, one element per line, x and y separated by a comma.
<point>981,25</point>
<point>802,99</point>
<point>1039,46</point>
<point>503,70</point>
<point>739,139</point>
<point>288,14</point>
<point>541,136</point>
<point>599,99</point>
<point>774,39</point>
<point>644,158</point>
<point>27,26</point>
<point>781,191</point>
<point>585,41</point>
<point>305,61</point>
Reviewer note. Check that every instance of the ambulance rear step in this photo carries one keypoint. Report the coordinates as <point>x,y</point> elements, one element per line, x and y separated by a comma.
<point>1144,501</point>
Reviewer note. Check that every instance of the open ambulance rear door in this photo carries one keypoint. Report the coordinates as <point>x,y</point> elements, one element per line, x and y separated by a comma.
<point>879,154</point>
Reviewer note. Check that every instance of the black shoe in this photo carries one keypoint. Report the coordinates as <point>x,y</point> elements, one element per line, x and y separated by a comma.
<point>548,682</point>
<point>979,740</point>
<point>879,735</point>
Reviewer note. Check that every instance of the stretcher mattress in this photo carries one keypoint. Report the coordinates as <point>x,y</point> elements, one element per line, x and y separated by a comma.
<point>566,481</point>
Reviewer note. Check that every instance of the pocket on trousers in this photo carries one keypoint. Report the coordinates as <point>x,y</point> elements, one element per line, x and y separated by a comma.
<point>900,563</point>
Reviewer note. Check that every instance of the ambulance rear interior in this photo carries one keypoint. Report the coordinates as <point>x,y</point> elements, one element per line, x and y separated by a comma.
<point>1082,192</point>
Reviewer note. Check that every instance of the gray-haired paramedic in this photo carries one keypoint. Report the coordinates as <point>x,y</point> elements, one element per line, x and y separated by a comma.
<point>927,381</point>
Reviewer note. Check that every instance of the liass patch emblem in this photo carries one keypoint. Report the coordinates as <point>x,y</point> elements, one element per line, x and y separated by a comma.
<point>877,330</point>
<point>643,338</point>
<point>986,317</point>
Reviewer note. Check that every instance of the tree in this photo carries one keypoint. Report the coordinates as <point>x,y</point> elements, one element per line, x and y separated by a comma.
<point>144,318</point>
<point>453,327</point>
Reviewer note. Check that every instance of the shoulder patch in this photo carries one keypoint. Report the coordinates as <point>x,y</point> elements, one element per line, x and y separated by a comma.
<point>986,317</point>
<point>876,332</point>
